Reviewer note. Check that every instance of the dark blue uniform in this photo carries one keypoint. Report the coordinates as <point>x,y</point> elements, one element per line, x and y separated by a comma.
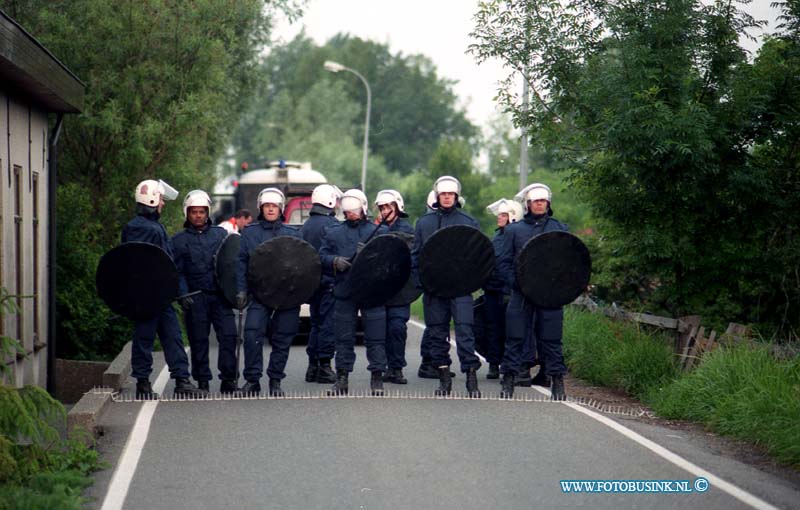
<point>194,257</point>
<point>495,292</point>
<point>438,310</point>
<point>146,228</point>
<point>342,241</point>
<point>284,323</point>
<point>529,327</point>
<point>397,316</point>
<point>321,340</point>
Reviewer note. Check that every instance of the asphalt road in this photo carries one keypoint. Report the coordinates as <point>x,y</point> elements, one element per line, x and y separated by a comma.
<point>405,451</point>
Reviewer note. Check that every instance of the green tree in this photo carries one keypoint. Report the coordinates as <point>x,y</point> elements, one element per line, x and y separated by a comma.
<point>165,83</point>
<point>669,137</point>
<point>412,107</point>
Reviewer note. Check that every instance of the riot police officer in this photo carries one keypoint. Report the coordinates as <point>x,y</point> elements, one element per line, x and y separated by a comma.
<point>321,341</point>
<point>523,319</point>
<point>392,210</point>
<point>340,244</point>
<point>439,310</point>
<point>496,290</point>
<point>145,227</point>
<point>195,248</point>
<point>284,323</point>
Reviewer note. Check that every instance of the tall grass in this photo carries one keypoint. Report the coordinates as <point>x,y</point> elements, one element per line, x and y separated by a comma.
<point>616,354</point>
<point>741,391</point>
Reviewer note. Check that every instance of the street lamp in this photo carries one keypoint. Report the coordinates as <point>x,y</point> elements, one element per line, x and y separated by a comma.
<point>335,67</point>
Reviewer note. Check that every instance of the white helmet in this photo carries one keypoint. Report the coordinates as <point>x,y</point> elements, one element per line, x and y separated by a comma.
<point>354,199</point>
<point>431,200</point>
<point>151,192</point>
<point>387,196</point>
<point>196,198</point>
<point>326,195</point>
<point>505,206</point>
<point>271,196</point>
<point>447,184</point>
<point>535,191</point>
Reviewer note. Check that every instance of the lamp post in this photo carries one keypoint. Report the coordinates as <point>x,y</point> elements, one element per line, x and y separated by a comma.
<point>335,67</point>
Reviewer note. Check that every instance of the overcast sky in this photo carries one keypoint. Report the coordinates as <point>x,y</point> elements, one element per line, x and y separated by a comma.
<point>438,29</point>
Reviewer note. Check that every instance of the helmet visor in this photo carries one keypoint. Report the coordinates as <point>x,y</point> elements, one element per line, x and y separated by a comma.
<point>167,191</point>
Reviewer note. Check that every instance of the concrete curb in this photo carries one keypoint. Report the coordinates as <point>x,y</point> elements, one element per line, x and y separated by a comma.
<point>83,419</point>
<point>116,375</point>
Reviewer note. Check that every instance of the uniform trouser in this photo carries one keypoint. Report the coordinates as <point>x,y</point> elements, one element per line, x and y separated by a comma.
<point>495,313</point>
<point>321,340</point>
<point>438,312</point>
<point>208,309</point>
<point>169,332</point>
<point>345,314</point>
<point>544,326</point>
<point>396,334</point>
<point>425,347</point>
<point>282,325</point>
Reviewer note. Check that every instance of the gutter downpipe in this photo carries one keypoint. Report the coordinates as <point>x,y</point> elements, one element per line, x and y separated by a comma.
<point>52,163</point>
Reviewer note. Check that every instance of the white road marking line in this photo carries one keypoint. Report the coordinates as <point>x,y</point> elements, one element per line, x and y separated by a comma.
<point>738,493</point>
<point>129,460</point>
<point>452,342</point>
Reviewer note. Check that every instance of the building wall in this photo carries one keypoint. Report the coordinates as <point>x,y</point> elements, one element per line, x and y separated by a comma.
<point>23,234</point>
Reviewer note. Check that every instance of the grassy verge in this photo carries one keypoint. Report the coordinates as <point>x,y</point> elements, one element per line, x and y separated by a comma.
<point>741,391</point>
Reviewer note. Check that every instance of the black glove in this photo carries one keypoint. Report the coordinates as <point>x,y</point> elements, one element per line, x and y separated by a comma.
<point>186,303</point>
<point>241,300</point>
<point>341,264</point>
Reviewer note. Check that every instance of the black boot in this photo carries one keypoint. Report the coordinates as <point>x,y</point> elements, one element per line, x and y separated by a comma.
<point>541,379</point>
<point>507,386</point>
<point>395,376</point>
<point>325,374</point>
<point>557,389</point>
<point>203,385</point>
<point>251,389</point>
<point>312,371</point>
<point>523,378</point>
<point>184,388</point>
<point>340,386</point>
<point>376,383</point>
<point>494,371</point>
<point>445,382</point>
<point>275,388</point>
<point>426,371</point>
<point>228,387</point>
<point>472,383</point>
<point>144,391</point>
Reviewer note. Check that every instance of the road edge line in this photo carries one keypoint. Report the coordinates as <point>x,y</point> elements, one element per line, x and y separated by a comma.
<point>727,487</point>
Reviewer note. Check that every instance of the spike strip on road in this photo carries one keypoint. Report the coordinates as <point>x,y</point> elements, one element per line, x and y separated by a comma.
<point>399,395</point>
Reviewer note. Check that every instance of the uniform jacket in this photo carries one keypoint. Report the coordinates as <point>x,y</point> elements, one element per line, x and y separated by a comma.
<point>194,255</point>
<point>497,282</point>
<point>145,228</point>
<point>342,241</point>
<point>401,225</point>
<point>515,237</point>
<point>312,231</point>
<point>252,236</point>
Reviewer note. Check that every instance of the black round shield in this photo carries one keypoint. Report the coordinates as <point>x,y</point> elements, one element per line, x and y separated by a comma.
<point>137,280</point>
<point>226,262</point>
<point>379,271</point>
<point>455,261</point>
<point>283,272</point>
<point>553,269</point>
<point>410,292</point>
